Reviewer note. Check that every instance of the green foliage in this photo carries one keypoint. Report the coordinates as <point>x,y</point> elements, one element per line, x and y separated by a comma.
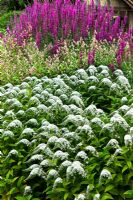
<point>5,19</point>
<point>67,137</point>
<point>16,4</point>
<point>19,62</point>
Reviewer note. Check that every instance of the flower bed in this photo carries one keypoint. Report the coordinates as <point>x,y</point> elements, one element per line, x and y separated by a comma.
<point>68,137</point>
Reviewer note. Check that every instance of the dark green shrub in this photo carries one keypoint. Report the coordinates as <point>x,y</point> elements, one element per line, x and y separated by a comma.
<point>5,19</point>
<point>18,4</point>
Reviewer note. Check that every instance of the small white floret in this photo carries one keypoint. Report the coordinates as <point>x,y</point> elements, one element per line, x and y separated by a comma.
<point>107,82</point>
<point>96,197</point>
<point>128,140</point>
<point>105,174</point>
<point>61,155</point>
<point>57,182</point>
<point>117,119</point>
<point>80,197</point>
<point>92,70</point>
<point>27,190</point>
<point>75,170</point>
<point>53,174</point>
<point>36,172</point>
<point>81,155</point>
<point>124,100</point>
<point>113,143</point>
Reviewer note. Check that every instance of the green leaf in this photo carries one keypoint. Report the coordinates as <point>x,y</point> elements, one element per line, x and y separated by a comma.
<point>20,181</point>
<point>10,173</point>
<point>14,179</point>
<point>60,189</point>
<point>66,196</point>
<point>129,176</point>
<point>118,164</point>
<point>106,196</point>
<point>124,168</point>
<point>129,194</point>
<point>119,178</point>
<point>21,198</point>
<point>109,187</point>
<point>129,164</point>
<point>2,183</point>
<point>35,199</point>
<point>12,191</point>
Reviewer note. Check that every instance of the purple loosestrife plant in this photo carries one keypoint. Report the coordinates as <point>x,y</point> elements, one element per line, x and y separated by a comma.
<point>1,35</point>
<point>91,57</point>
<point>131,47</point>
<point>55,48</point>
<point>64,19</point>
<point>120,52</point>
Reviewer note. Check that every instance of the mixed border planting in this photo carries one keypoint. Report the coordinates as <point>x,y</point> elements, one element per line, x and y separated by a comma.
<point>85,33</point>
<point>66,103</point>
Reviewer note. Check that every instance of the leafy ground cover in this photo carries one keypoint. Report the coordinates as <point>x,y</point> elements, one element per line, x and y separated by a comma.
<point>67,137</point>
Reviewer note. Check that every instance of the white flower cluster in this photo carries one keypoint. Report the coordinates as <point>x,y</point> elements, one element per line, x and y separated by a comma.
<point>91,109</point>
<point>115,87</point>
<point>64,165</point>
<point>75,169</point>
<point>76,120</point>
<point>93,79</point>
<point>40,147</point>
<point>105,174</point>
<point>85,129</point>
<point>15,124</point>
<point>34,101</point>
<point>28,132</point>
<point>118,72</point>
<point>96,197</point>
<point>124,100</point>
<point>53,174</point>
<point>45,163</point>
<point>81,155</point>
<point>77,100</point>
<point>97,121</point>
<point>13,152</point>
<point>128,140</point>
<point>92,70</point>
<point>62,144</point>
<point>80,197</point>
<point>123,82</point>
<point>8,134</point>
<point>60,155</point>
<point>92,150</point>
<point>60,124</point>
<point>129,113</point>
<point>57,182</point>
<point>118,120</point>
<point>37,157</point>
<point>124,109</point>
<point>81,73</point>
<point>10,114</point>
<point>103,67</point>
<point>37,171</point>
<point>27,190</point>
<point>107,82</point>
<point>25,142</point>
<point>108,127</point>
